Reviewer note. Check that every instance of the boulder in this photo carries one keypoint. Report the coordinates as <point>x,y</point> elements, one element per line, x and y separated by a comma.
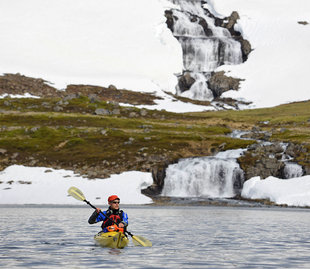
<point>220,83</point>
<point>102,111</point>
<point>185,82</point>
<point>158,174</point>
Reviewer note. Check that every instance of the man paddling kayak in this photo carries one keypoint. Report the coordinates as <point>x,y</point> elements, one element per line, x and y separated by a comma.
<point>122,239</point>
<point>112,213</point>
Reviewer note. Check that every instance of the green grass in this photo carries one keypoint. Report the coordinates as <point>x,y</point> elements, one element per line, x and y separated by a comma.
<point>74,135</point>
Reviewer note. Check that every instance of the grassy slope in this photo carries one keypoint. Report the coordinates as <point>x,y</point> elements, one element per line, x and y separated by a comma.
<point>75,137</point>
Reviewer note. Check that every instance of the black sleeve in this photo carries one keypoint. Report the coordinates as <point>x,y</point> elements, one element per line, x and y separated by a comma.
<point>93,217</point>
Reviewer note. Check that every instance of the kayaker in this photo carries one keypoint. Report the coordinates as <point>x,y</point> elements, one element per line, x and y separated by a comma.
<point>113,213</point>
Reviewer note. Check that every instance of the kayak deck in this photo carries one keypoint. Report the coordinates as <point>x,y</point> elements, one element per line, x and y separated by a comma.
<point>111,239</point>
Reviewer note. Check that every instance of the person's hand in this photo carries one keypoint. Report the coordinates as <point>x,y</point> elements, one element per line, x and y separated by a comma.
<point>121,225</point>
<point>98,210</point>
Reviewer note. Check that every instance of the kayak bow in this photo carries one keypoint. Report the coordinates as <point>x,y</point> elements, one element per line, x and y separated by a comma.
<point>111,239</point>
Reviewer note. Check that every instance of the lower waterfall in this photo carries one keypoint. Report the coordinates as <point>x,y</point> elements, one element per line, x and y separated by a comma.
<point>292,170</point>
<point>211,177</point>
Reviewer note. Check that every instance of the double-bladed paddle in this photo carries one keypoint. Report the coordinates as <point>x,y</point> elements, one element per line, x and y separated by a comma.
<point>137,240</point>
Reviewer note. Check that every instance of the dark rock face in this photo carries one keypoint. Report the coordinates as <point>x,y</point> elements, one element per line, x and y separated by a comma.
<point>301,155</point>
<point>220,83</point>
<point>267,160</point>
<point>232,20</point>
<point>263,167</point>
<point>158,174</point>
<point>245,47</point>
<point>205,27</point>
<point>170,19</point>
<point>185,82</point>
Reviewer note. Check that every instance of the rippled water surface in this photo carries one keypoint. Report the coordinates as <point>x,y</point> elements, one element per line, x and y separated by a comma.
<point>183,237</point>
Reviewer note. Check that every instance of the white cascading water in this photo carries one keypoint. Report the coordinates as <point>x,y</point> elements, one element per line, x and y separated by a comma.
<point>209,177</point>
<point>202,53</point>
<point>292,170</point>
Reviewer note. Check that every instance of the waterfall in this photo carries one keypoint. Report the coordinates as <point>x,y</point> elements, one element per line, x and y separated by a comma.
<point>292,170</point>
<point>205,46</point>
<point>213,177</point>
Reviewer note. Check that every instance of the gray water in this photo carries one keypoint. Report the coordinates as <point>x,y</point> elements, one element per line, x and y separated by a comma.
<point>182,236</point>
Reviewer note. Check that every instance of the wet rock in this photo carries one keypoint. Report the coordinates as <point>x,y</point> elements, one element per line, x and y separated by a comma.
<point>246,48</point>
<point>220,83</point>
<point>204,24</point>
<point>185,82</point>
<point>170,19</point>
<point>158,174</point>
<point>229,23</point>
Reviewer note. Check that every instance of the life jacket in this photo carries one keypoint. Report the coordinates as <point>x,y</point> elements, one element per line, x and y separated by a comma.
<point>117,216</point>
<point>115,228</point>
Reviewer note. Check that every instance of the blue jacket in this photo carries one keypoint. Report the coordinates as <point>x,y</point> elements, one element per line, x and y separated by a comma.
<point>119,216</point>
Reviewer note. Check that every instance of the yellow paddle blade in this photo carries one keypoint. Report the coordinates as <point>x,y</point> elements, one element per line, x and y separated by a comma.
<point>141,241</point>
<point>76,193</point>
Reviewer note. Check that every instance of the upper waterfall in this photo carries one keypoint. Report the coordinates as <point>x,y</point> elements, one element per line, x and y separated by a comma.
<point>205,46</point>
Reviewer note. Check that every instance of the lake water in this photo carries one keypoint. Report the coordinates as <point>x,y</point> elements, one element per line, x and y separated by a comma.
<point>182,236</point>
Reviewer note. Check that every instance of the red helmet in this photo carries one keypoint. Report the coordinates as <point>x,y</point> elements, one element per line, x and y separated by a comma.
<point>112,198</point>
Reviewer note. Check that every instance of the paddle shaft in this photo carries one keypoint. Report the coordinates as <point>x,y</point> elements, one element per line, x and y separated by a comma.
<point>87,202</point>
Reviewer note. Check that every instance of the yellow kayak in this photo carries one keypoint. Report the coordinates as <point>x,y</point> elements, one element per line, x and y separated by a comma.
<point>112,239</point>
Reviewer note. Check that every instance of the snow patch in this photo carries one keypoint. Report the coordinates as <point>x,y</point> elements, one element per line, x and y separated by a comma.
<point>292,192</point>
<point>41,185</point>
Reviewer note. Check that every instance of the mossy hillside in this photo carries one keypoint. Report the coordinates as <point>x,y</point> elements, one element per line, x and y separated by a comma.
<point>73,137</point>
<point>292,114</point>
<point>107,140</point>
<point>289,122</point>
